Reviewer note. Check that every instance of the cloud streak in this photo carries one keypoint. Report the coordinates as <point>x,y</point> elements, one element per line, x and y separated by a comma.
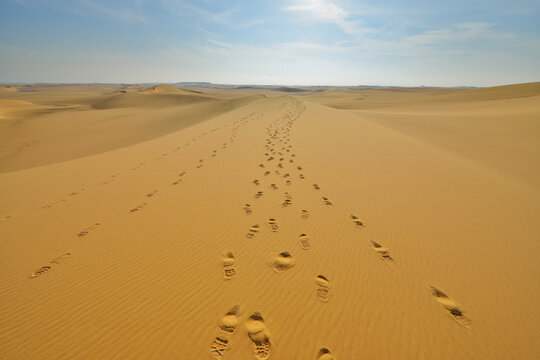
<point>330,12</point>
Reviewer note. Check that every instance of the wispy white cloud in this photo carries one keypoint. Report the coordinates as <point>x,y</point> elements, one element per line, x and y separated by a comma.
<point>319,9</point>
<point>126,14</point>
<point>130,12</point>
<point>459,32</point>
<point>330,12</point>
<point>225,17</point>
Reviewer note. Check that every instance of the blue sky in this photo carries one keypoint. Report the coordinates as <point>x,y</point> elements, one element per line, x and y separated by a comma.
<point>292,42</point>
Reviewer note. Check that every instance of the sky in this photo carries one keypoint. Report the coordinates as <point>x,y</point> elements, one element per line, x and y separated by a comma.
<point>285,42</point>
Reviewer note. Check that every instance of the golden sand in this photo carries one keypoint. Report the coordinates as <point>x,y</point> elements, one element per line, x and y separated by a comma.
<point>163,223</point>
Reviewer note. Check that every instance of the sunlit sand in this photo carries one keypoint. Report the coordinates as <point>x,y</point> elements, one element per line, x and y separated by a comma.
<point>153,222</point>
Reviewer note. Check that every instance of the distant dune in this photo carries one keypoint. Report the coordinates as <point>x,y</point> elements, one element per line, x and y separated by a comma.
<point>167,89</point>
<point>288,89</point>
<point>343,223</point>
<point>497,127</point>
<point>93,119</point>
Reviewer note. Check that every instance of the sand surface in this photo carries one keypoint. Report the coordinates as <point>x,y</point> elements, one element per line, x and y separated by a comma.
<point>162,223</point>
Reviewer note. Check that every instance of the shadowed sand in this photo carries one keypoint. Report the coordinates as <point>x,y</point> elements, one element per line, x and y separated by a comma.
<point>134,217</point>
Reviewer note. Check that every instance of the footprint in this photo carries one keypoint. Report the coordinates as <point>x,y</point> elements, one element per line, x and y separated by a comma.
<point>259,334</point>
<point>61,259</point>
<point>266,173</point>
<point>286,175</point>
<point>383,252</point>
<point>44,269</point>
<point>226,328</point>
<point>256,182</point>
<point>305,214</point>
<point>139,207</point>
<point>252,231</point>
<point>305,240</point>
<point>151,193</point>
<point>450,305</point>
<point>87,230</point>
<point>301,176</point>
<point>325,354</point>
<point>326,201</point>
<point>273,186</point>
<point>286,203</point>
<point>247,209</point>
<point>273,224</point>
<point>258,194</point>
<point>316,187</point>
<point>323,287</point>
<point>41,271</point>
<point>283,261</point>
<point>228,266</point>
<point>288,182</point>
<point>357,221</point>
<point>261,165</point>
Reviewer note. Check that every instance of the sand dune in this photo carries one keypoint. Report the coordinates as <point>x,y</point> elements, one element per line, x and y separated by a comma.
<point>495,127</point>
<point>269,227</point>
<point>35,135</point>
<point>167,89</point>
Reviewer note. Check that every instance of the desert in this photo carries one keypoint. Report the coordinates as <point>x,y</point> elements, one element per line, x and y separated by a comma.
<point>269,180</point>
<point>339,223</point>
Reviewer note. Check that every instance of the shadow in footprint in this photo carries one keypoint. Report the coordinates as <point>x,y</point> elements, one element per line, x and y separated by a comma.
<point>87,230</point>
<point>44,269</point>
<point>252,231</point>
<point>305,241</point>
<point>226,329</point>
<point>228,262</point>
<point>325,354</point>
<point>259,334</point>
<point>327,201</point>
<point>138,207</point>
<point>41,271</point>
<point>273,224</point>
<point>282,261</point>
<point>357,221</point>
<point>323,288</point>
<point>383,252</point>
<point>5,218</point>
<point>452,307</point>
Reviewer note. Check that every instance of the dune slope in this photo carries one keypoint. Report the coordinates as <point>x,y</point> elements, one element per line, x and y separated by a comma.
<point>145,251</point>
